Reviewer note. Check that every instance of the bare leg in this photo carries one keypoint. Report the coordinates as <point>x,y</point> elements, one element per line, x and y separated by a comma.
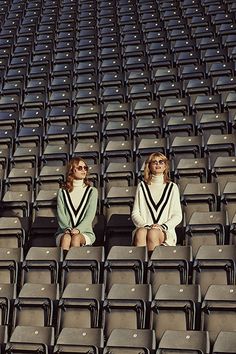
<point>77,240</point>
<point>65,242</point>
<point>140,238</point>
<point>155,237</point>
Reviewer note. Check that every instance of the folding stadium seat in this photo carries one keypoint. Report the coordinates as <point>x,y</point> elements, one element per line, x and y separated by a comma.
<point>88,112</point>
<point>125,307</point>
<point>50,177</point>
<point>8,293</point>
<point>35,100</point>
<point>223,169</point>
<point>206,228</point>
<point>17,202</point>
<point>197,86</point>
<point>118,200</point>
<point>225,342</point>
<point>81,340</point>
<point>175,105</point>
<point>223,145</point>
<point>86,96</point>
<point>147,126</point>
<point>165,74</point>
<point>80,306</point>
<point>169,265</point>
<point>200,197</point>
<point>214,264</point>
<point>62,115</point>
<point>88,150</point>
<point>89,81</point>
<point>35,305</point>
<point>119,174</point>
<point>177,125</point>
<point>168,89</point>
<point>192,71</point>
<point>58,134</point>
<point>83,265</point>
<point>56,154</point>
<point>11,259</point>
<point>184,342</point>
<point>118,151</point>
<point>45,202</point>
<point>218,310</point>
<point>220,69</point>
<point>133,340</point>
<point>175,307</point>
<point>212,123</point>
<point>41,265</point>
<point>33,339</point>
<point>228,100</point>
<point>145,146</point>
<point>116,130</point>
<point>211,55</point>
<point>32,117</point>
<point>13,231</point>
<point>110,79</point>
<point>228,197</point>
<point>186,147</point>
<point>190,170</point>
<point>206,103</point>
<point>113,94</point>
<point>124,264</point>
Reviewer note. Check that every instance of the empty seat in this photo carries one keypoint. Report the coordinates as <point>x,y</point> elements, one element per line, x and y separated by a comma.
<point>80,306</point>
<point>184,342</point>
<point>83,265</point>
<point>175,307</point>
<point>81,340</point>
<point>124,264</point>
<point>33,339</point>
<point>225,342</point>
<point>218,310</point>
<point>10,263</point>
<point>214,264</point>
<point>169,265</point>
<point>133,340</point>
<point>41,265</point>
<point>35,305</point>
<point>125,306</point>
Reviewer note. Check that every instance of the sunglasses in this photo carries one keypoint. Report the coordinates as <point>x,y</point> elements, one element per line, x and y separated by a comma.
<point>80,168</point>
<point>156,162</point>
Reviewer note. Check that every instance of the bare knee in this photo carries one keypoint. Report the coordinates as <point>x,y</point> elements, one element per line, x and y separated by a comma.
<point>155,237</point>
<point>77,240</point>
<point>66,241</point>
<point>140,238</point>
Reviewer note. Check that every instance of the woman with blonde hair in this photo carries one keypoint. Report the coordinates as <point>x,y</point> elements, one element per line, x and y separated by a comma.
<point>76,207</point>
<point>157,209</point>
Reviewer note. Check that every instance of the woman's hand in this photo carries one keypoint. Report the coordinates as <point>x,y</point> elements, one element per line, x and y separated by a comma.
<point>74,232</point>
<point>155,226</point>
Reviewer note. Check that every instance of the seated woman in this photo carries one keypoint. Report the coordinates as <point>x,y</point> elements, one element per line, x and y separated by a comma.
<point>76,207</point>
<point>157,209</point>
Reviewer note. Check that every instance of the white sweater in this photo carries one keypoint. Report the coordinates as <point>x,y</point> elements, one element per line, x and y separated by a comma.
<point>158,203</point>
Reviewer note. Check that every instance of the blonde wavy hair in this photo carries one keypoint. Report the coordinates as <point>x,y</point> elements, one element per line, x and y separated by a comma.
<point>147,170</point>
<point>74,162</point>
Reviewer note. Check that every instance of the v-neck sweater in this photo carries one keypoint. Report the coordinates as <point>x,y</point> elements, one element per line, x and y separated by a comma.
<point>77,209</point>
<point>158,203</point>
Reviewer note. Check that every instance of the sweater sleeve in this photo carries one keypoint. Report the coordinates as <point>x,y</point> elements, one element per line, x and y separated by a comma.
<point>63,221</point>
<point>87,221</point>
<point>136,216</point>
<point>175,212</point>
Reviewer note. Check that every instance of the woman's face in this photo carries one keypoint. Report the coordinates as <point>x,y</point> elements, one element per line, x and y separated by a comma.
<point>157,165</point>
<point>80,170</point>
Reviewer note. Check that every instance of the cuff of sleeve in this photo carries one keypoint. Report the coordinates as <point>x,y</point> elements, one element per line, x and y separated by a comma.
<point>87,240</point>
<point>164,226</point>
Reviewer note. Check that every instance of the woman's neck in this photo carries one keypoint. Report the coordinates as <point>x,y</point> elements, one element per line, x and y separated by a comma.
<point>78,182</point>
<point>158,179</point>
